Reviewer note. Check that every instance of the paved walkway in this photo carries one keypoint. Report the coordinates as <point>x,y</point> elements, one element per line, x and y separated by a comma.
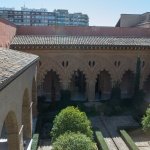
<point>108,127</point>
<point>45,145</point>
<point>96,122</point>
<point>141,139</point>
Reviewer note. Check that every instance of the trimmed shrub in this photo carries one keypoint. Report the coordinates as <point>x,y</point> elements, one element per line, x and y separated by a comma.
<point>71,119</point>
<point>74,141</point>
<point>100,141</point>
<point>146,121</point>
<point>35,142</point>
<point>127,139</point>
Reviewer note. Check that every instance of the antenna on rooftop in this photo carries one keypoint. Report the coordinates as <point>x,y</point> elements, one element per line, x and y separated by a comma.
<point>24,5</point>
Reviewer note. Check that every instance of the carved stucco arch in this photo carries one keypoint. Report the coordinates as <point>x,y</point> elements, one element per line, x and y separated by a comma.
<point>128,63</point>
<point>104,63</point>
<point>77,64</point>
<point>48,64</point>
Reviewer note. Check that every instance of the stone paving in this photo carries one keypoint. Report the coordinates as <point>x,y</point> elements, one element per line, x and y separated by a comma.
<point>141,139</point>
<point>96,122</point>
<point>111,136</point>
<point>45,145</point>
<point>112,123</point>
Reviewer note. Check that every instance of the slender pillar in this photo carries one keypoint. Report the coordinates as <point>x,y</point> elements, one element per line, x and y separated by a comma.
<point>65,85</point>
<point>27,121</point>
<point>91,91</point>
<point>34,100</point>
<point>15,140</point>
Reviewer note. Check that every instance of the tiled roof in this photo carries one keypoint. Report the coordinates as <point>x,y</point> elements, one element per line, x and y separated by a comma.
<point>12,62</point>
<point>81,40</point>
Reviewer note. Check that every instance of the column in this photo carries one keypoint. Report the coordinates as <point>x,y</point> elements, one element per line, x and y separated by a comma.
<point>27,121</point>
<point>15,141</point>
<point>91,91</point>
<point>65,85</point>
<point>34,104</point>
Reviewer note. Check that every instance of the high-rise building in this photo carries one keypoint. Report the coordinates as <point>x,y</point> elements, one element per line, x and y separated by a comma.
<point>41,17</point>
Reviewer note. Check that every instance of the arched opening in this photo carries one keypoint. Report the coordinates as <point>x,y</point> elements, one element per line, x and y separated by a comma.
<point>34,98</point>
<point>9,135</point>
<point>103,86</point>
<point>78,86</point>
<point>51,86</point>
<point>127,84</point>
<point>26,116</point>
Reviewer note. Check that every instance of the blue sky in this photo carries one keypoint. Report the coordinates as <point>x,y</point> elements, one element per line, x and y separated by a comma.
<point>100,12</point>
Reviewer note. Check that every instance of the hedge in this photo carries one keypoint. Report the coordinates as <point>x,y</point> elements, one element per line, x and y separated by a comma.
<point>100,141</point>
<point>35,142</point>
<point>127,139</point>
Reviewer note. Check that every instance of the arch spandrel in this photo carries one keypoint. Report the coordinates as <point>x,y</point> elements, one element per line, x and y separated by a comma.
<point>77,64</point>
<point>48,65</point>
<point>128,63</point>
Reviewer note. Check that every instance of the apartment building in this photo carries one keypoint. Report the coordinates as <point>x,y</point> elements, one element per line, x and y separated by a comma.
<point>41,17</point>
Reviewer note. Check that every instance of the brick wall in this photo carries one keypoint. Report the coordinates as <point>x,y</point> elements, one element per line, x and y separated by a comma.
<point>84,31</point>
<point>7,32</point>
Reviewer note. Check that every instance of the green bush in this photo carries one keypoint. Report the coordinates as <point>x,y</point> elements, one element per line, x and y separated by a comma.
<point>127,139</point>
<point>35,142</point>
<point>146,121</point>
<point>100,141</point>
<point>73,141</point>
<point>71,119</point>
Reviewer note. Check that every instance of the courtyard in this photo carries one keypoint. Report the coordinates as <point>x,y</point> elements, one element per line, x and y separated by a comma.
<point>108,127</point>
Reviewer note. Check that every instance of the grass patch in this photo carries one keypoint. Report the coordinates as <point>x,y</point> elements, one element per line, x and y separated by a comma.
<point>35,142</point>
<point>127,139</point>
<point>100,141</point>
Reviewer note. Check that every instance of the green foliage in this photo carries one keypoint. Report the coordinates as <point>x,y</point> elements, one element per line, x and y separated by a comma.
<point>74,141</point>
<point>71,119</point>
<point>137,77</point>
<point>127,139</point>
<point>146,120</point>
<point>100,141</point>
<point>138,94</point>
<point>35,142</point>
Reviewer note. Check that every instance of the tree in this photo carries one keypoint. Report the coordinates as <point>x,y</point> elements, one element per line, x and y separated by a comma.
<point>146,121</point>
<point>73,120</point>
<point>138,93</point>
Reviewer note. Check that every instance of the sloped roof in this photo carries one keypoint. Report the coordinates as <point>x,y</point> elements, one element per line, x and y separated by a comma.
<point>81,40</point>
<point>13,62</point>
